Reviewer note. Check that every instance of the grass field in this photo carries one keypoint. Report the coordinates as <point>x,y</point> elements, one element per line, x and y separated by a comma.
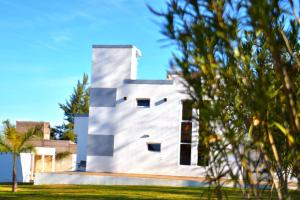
<point>87,192</point>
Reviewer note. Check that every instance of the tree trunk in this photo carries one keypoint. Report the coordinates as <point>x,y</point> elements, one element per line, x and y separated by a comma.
<point>14,175</point>
<point>219,192</point>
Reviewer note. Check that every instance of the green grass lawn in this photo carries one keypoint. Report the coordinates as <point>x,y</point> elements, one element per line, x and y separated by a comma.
<point>87,192</point>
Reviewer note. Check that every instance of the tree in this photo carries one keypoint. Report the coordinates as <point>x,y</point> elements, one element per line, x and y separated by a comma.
<point>14,142</point>
<point>78,103</point>
<point>240,62</point>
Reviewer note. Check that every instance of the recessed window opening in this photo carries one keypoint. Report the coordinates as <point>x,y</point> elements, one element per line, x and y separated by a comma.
<point>187,108</point>
<point>185,154</point>
<point>155,147</point>
<point>186,133</point>
<point>144,103</point>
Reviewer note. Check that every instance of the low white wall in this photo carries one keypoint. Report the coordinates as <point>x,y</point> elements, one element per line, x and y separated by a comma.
<point>23,167</point>
<point>83,178</point>
<point>89,179</point>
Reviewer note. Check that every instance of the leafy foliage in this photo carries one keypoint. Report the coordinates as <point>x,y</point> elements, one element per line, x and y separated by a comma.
<point>78,103</point>
<point>241,61</point>
<point>13,141</point>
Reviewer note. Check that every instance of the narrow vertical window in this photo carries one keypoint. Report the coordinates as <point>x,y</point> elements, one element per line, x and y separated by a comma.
<point>185,154</point>
<point>186,133</point>
<point>187,109</point>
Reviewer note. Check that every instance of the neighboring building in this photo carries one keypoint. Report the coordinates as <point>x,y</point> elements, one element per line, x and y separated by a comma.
<point>136,126</point>
<point>49,156</point>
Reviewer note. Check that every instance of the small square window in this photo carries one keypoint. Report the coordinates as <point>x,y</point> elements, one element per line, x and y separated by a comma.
<point>143,103</point>
<point>154,147</point>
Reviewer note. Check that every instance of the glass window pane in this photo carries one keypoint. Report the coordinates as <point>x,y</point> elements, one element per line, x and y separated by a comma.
<point>143,102</point>
<point>185,154</point>
<point>187,109</point>
<point>186,132</point>
<point>154,147</point>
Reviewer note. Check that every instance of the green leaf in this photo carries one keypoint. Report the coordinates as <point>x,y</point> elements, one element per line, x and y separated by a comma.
<point>285,132</point>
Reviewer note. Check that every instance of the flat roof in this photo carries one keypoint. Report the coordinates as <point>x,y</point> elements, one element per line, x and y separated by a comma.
<point>155,82</point>
<point>113,46</point>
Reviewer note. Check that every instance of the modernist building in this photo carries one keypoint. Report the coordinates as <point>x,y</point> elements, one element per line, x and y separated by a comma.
<point>136,126</point>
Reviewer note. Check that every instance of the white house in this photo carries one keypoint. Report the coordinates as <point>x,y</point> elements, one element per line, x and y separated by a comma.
<point>49,155</point>
<point>136,126</point>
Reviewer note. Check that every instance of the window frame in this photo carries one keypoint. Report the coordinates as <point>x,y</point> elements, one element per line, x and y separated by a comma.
<point>184,120</point>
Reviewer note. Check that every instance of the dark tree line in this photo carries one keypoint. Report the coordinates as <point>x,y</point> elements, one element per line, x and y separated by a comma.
<point>78,103</point>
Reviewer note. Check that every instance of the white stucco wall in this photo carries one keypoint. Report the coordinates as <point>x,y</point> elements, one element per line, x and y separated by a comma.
<point>81,130</point>
<point>74,162</point>
<point>128,123</point>
<point>23,167</point>
<point>25,162</point>
<point>112,64</point>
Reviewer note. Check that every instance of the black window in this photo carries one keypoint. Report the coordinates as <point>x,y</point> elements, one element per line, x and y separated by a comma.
<point>185,154</point>
<point>154,147</point>
<point>143,103</point>
<point>187,108</point>
<point>186,132</point>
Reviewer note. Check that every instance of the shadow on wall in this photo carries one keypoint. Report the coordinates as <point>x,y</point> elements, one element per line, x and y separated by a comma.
<point>6,165</point>
<point>129,125</point>
<point>164,100</point>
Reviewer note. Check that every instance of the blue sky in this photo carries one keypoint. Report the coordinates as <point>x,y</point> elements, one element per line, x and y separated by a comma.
<point>46,47</point>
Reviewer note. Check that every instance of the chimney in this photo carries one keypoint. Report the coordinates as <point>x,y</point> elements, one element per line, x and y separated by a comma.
<point>112,64</point>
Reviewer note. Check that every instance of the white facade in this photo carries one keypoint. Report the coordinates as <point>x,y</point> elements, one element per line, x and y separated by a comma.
<point>118,131</point>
